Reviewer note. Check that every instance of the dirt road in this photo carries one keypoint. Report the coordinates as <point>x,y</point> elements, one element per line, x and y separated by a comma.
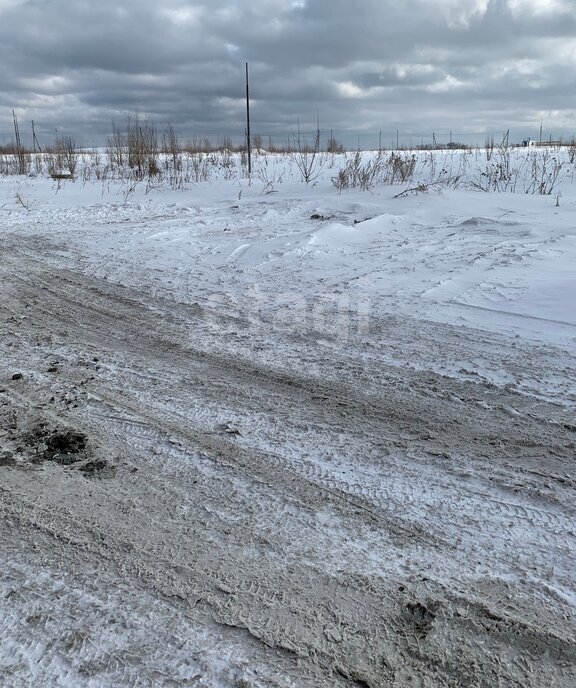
<point>185,503</point>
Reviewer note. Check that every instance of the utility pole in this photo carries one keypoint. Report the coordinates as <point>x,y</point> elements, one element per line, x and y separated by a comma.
<point>248,142</point>
<point>16,131</point>
<point>18,146</point>
<point>35,143</point>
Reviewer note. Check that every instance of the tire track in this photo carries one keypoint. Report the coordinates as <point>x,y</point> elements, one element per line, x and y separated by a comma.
<point>387,414</point>
<point>229,533</point>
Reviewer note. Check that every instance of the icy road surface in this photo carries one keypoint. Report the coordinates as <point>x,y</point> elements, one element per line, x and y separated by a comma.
<point>193,496</point>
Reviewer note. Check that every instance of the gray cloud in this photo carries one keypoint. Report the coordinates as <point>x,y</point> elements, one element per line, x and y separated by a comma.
<point>470,66</point>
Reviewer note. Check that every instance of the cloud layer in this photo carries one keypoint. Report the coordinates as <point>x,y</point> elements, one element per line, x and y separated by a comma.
<point>470,66</point>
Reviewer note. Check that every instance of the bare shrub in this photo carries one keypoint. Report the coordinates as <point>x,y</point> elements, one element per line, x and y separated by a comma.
<point>365,174</point>
<point>224,144</point>
<point>307,156</point>
<point>66,155</point>
<point>572,151</point>
<point>153,167</point>
<point>24,202</point>
<point>489,147</point>
<point>334,146</point>
<point>172,149</point>
<point>400,167</point>
<point>269,181</point>
<point>51,163</point>
<point>283,148</point>
<point>38,160</point>
<point>15,159</point>
<point>498,174</point>
<point>8,165</point>
<point>545,171</point>
<point>116,148</point>
<point>225,162</point>
<point>142,140</point>
<point>198,167</point>
<point>358,173</point>
<point>199,146</point>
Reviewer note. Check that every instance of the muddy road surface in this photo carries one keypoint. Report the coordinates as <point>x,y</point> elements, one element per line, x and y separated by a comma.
<point>188,502</point>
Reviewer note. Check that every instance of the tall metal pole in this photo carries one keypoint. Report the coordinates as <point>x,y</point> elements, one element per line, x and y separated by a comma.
<point>248,140</point>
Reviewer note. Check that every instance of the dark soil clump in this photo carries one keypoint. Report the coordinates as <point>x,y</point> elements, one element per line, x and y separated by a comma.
<point>93,468</point>
<point>7,459</point>
<point>64,447</point>
<point>68,442</point>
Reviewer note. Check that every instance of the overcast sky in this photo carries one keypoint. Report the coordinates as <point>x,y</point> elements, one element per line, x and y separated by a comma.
<point>470,66</point>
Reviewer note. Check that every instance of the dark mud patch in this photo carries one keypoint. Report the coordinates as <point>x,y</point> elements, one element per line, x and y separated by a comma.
<point>7,459</point>
<point>64,447</point>
<point>97,468</point>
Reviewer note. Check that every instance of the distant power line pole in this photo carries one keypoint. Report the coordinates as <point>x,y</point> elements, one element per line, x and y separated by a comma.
<point>35,143</point>
<point>248,142</point>
<point>16,130</point>
<point>18,146</point>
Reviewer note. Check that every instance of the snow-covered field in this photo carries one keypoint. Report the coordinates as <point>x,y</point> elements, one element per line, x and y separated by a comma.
<point>268,433</point>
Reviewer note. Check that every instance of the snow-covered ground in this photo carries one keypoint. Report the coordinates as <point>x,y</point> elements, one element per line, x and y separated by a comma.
<point>290,256</point>
<point>329,434</point>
